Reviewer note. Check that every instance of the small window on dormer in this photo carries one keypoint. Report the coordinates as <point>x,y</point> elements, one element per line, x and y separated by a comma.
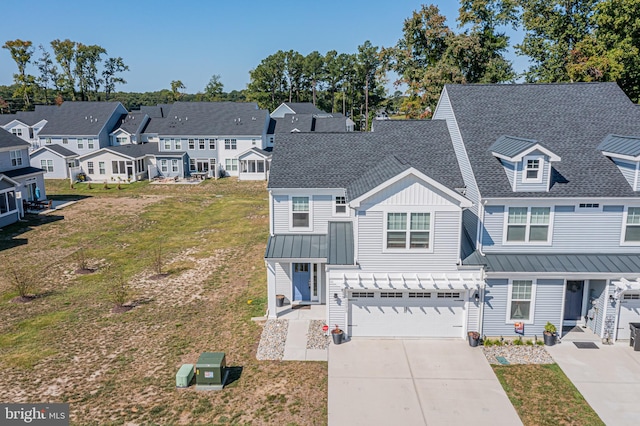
<point>532,172</point>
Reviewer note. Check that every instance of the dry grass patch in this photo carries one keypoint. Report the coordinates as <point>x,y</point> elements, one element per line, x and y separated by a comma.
<point>543,395</point>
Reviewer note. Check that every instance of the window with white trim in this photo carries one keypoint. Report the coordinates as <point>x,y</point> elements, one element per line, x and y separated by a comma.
<point>163,166</point>
<point>102,168</point>
<point>121,140</point>
<point>212,143</point>
<point>192,164</point>
<point>528,224</point>
<point>532,172</point>
<point>167,144</point>
<point>178,144</point>
<point>65,141</point>
<point>520,301</point>
<point>80,143</point>
<point>340,204</point>
<point>17,132</point>
<point>231,164</point>
<point>192,144</point>
<point>90,143</point>
<point>174,166</point>
<point>47,165</point>
<point>48,140</point>
<point>408,230</point>
<point>632,229</point>
<point>201,144</point>
<point>230,144</point>
<point>300,212</point>
<point>16,157</point>
<point>90,169</point>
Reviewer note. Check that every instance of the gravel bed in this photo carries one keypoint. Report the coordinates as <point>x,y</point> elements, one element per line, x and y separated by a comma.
<point>272,340</point>
<point>316,339</point>
<point>518,354</point>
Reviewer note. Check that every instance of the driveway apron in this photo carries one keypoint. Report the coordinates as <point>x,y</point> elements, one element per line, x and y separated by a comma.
<point>414,382</point>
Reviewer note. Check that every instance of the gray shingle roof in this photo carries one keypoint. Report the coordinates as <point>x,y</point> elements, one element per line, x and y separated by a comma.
<point>214,119</point>
<point>136,150</point>
<point>510,146</point>
<point>329,124</point>
<point>570,120</point>
<point>131,122</point>
<point>9,140</point>
<point>7,118</point>
<point>624,145</point>
<point>22,172</point>
<point>304,108</point>
<point>58,149</point>
<point>359,161</point>
<point>290,122</point>
<point>79,118</point>
<point>555,263</point>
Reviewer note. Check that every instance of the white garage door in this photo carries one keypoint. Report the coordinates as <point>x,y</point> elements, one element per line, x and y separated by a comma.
<point>406,314</point>
<point>629,312</point>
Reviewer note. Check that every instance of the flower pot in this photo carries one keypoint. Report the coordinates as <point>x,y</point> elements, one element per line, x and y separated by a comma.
<point>337,337</point>
<point>549,339</point>
<point>474,339</point>
<point>279,300</point>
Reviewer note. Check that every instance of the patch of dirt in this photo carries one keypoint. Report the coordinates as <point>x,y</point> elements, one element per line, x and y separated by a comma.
<point>24,299</point>
<point>84,271</point>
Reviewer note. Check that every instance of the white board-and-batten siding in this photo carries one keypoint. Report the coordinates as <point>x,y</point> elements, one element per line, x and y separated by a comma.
<point>547,307</point>
<point>573,229</point>
<point>444,111</point>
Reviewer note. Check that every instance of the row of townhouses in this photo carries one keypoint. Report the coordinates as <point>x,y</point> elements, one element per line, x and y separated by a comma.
<point>516,205</point>
<point>102,141</point>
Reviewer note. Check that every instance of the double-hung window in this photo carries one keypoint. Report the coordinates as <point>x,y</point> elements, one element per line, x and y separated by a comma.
<point>65,141</point>
<point>300,212</point>
<point>192,164</point>
<point>521,296</point>
<point>178,144</point>
<point>163,166</point>
<point>90,143</point>
<point>340,205</point>
<point>532,172</point>
<point>167,144</point>
<point>102,167</point>
<point>212,143</point>
<point>90,169</point>
<point>80,143</point>
<point>632,229</point>
<point>408,230</point>
<point>192,143</point>
<point>16,158</point>
<point>201,144</point>
<point>47,165</point>
<point>528,224</point>
<point>231,164</point>
<point>230,144</point>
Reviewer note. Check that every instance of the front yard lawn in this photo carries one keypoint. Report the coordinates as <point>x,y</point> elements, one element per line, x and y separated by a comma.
<point>543,395</point>
<point>118,368</point>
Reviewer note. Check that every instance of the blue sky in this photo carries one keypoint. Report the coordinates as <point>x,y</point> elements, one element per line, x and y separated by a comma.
<point>191,40</point>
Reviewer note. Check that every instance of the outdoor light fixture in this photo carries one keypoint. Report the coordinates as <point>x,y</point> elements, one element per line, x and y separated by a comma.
<point>611,298</point>
<point>476,296</point>
<point>335,295</point>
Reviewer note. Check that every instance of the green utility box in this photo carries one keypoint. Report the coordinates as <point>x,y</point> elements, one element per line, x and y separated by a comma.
<point>211,371</point>
<point>184,376</point>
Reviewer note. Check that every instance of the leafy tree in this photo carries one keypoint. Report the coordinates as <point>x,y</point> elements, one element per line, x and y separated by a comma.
<point>48,72</point>
<point>314,72</point>
<point>334,73</point>
<point>65,53</point>
<point>268,82</point>
<point>553,28</point>
<point>86,69</point>
<point>21,52</point>
<point>112,67</point>
<point>213,90</point>
<point>368,64</point>
<point>294,72</point>
<point>176,86</point>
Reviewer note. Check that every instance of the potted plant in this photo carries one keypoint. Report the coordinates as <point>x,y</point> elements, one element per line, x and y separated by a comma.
<point>550,334</point>
<point>337,335</point>
<point>474,338</point>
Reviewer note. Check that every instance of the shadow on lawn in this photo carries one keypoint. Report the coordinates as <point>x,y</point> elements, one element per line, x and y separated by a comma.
<point>9,234</point>
<point>234,375</point>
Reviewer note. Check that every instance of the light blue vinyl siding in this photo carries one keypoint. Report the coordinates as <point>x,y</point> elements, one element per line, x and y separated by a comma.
<point>371,228</point>
<point>548,307</point>
<point>60,168</point>
<point>5,159</point>
<point>533,187</point>
<point>8,219</point>
<point>597,290</point>
<point>509,167</point>
<point>445,112</point>
<point>627,169</point>
<point>574,231</point>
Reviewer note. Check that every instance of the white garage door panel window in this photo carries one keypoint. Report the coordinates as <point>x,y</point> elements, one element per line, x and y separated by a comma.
<point>395,314</point>
<point>629,312</point>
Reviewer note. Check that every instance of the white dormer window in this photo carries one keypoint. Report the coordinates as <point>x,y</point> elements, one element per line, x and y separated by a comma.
<point>340,206</point>
<point>532,172</point>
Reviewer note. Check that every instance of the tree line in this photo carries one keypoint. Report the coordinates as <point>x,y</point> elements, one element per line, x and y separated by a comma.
<point>564,40</point>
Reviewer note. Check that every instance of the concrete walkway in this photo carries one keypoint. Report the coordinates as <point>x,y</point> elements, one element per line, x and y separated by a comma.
<point>608,378</point>
<point>414,382</point>
<point>295,348</point>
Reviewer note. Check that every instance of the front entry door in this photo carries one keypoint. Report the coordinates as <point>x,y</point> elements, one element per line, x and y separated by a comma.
<point>301,282</point>
<point>573,301</point>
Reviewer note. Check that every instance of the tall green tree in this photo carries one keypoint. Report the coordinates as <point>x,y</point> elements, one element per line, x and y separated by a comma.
<point>65,53</point>
<point>86,70</point>
<point>294,73</point>
<point>334,73</point>
<point>314,72</point>
<point>21,52</point>
<point>553,28</point>
<point>48,72</point>
<point>176,87</point>
<point>367,68</point>
<point>214,89</point>
<point>113,67</point>
<point>268,83</point>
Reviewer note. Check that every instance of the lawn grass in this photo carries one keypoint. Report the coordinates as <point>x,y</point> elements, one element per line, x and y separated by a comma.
<point>68,346</point>
<point>543,395</point>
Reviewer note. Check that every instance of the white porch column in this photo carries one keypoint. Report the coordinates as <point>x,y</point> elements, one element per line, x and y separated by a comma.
<point>271,290</point>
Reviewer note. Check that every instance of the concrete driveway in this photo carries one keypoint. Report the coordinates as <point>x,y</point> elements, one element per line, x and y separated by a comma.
<point>414,382</point>
<point>608,378</point>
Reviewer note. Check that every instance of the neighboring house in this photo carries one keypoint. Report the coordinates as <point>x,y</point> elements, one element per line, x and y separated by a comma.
<point>27,124</point>
<point>55,160</point>
<point>516,204</point>
<point>122,163</point>
<point>296,108</point>
<point>212,135</point>
<point>18,180</point>
<point>254,164</point>
<point>370,225</point>
<point>82,127</point>
<point>129,129</point>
